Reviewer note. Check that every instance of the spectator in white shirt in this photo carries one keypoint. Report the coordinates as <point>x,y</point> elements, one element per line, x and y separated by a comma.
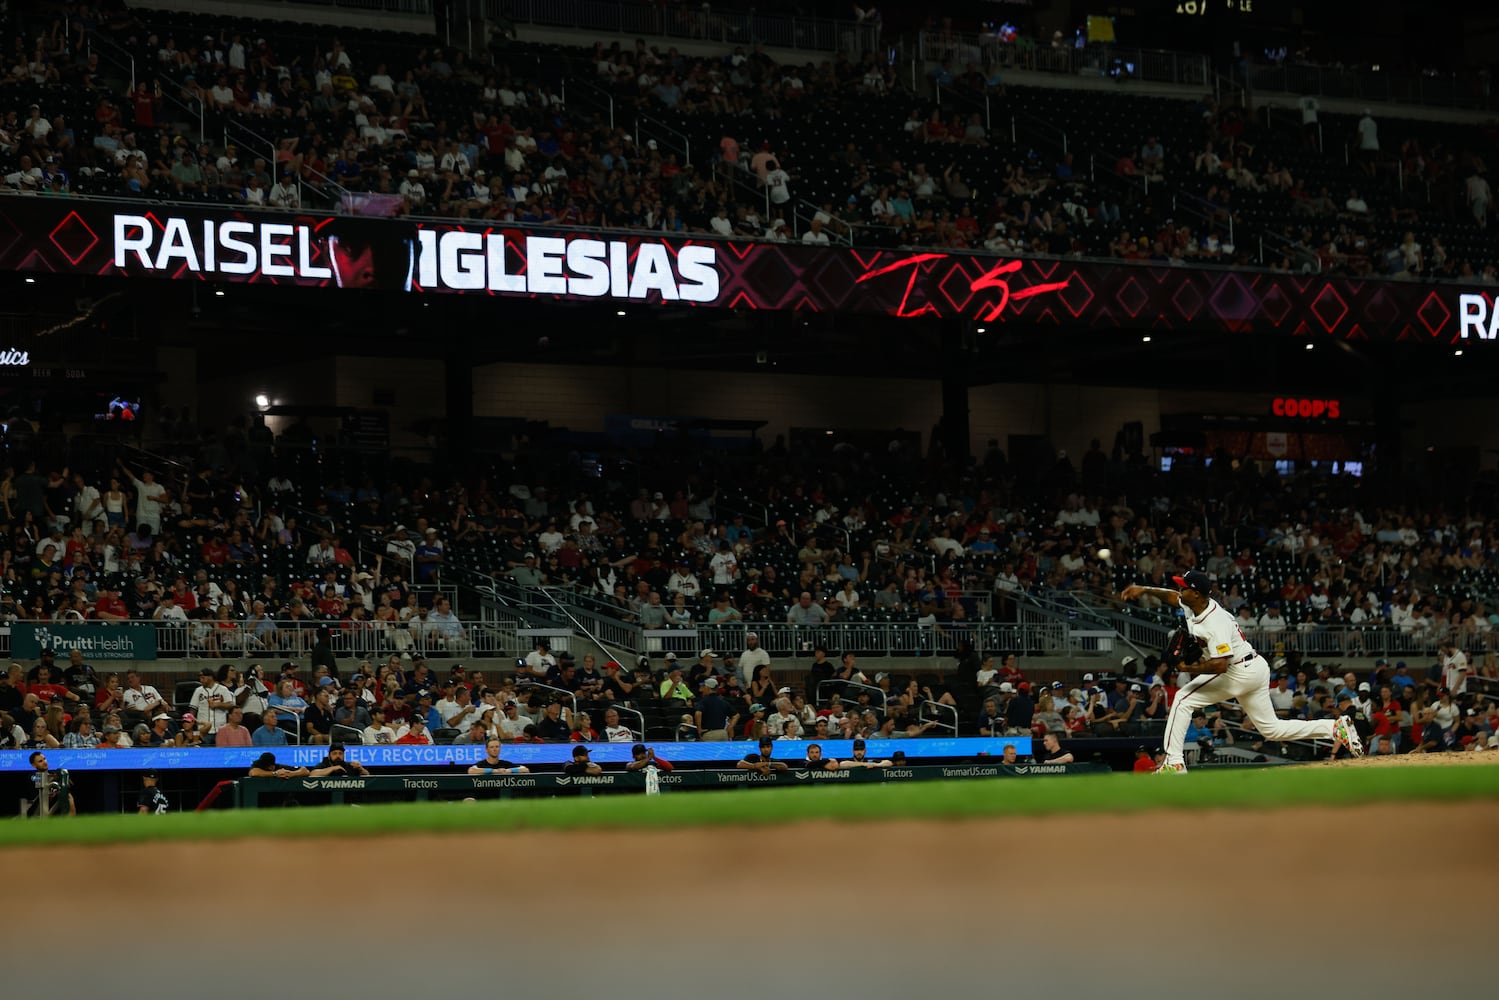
<point>815,235</point>
<point>377,732</point>
<point>140,697</point>
<point>284,193</point>
<point>613,731</point>
<point>753,657</point>
<point>1271,620</point>
<point>444,626</point>
<point>211,701</point>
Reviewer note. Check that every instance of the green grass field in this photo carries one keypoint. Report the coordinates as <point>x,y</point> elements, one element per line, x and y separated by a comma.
<point>1265,788</point>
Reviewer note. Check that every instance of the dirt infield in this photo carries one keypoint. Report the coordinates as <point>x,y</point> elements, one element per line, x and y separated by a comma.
<point>1466,759</point>
<point>1204,903</point>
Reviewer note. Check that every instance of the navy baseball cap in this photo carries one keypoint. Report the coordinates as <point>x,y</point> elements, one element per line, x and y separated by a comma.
<point>1195,580</point>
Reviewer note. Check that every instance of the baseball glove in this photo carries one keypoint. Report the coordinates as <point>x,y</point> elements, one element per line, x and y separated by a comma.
<point>1183,647</point>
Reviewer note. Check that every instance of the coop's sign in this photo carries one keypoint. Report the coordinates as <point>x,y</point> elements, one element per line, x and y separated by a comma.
<point>1295,406</point>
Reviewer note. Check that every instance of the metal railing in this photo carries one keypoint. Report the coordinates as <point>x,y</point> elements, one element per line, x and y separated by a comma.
<point>1194,69</point>
<point>592,95</point>
<point>1126,62</point>
<point>567,695</point>
<point>1435,89</point>
<point>639,731</point>
<point>339,195</point>
<point>838,232</point>
<point>841,688</point>
<point>621,636</point>
<point>873,638</point>
<point>941,709</point>
<point>293,637</point>
<point>1038,132</point>
<point>649,129</point>
<point>727,27</point>
<point>185,96</point>
<point>966,101</point>
<point>415,7</point>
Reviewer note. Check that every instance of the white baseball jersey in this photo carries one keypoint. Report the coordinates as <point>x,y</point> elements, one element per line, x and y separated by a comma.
<point>1219,633</point>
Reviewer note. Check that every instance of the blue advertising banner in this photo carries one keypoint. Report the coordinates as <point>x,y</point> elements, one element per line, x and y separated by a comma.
<point>530,754</point>
<point>97,640</point>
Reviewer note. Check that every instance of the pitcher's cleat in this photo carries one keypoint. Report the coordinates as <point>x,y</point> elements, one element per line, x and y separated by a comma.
<point>1171,769</point>
<point>1344,733</point>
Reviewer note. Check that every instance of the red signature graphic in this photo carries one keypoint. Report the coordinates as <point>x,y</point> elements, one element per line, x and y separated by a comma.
<point>993,278</point>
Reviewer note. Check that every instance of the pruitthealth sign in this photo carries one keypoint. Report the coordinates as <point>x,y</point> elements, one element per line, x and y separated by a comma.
<point>95,640</point>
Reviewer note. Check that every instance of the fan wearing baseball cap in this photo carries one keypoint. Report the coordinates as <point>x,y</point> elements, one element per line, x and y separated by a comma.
<point>1229,668</point>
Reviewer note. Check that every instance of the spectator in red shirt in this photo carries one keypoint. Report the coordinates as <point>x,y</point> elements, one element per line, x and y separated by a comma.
<point>1010,670</point>
<point>330,605</point>
<point>215,552</point>
<point>1145,762</point>
<point>1386,719</point>
<point>416,733</point>
<point>44,686</point>
<point>109,607</point>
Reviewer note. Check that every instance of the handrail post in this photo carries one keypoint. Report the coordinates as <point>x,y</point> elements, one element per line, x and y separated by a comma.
<point>988,119</point>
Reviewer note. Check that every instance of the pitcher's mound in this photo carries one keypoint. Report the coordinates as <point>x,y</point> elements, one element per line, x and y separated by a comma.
<point>1478,757</point>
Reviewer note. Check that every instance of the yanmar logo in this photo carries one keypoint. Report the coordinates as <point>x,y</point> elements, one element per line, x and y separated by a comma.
<point>823,775</point>
<point>1041,769</point>
<point>320,784</point>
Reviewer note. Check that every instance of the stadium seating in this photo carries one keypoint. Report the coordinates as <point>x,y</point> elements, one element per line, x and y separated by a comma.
<point>947,588</point>
<point>1181,215</point>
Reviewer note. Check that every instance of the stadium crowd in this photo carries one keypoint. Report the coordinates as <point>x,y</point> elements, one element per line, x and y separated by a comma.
<point>231,562</point>
<point>736,145</point>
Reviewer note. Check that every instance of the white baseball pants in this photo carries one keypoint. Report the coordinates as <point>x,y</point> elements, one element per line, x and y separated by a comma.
<point>1249,682</point>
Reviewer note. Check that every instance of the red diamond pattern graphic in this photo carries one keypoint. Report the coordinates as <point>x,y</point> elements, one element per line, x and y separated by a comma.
<point>73,238</point>
<point>1132,298</point>
<point>1379,310</point>
<point>1233,303</point>
<point>1430,310</point>
<point>1329,303</point>
<point>957,287</point>
<point>1076,296</point>
<point>1275,305</point>
<point>1188,300</point>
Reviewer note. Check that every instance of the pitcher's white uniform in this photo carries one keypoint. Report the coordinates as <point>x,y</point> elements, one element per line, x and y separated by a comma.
<point>1247,679</point>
